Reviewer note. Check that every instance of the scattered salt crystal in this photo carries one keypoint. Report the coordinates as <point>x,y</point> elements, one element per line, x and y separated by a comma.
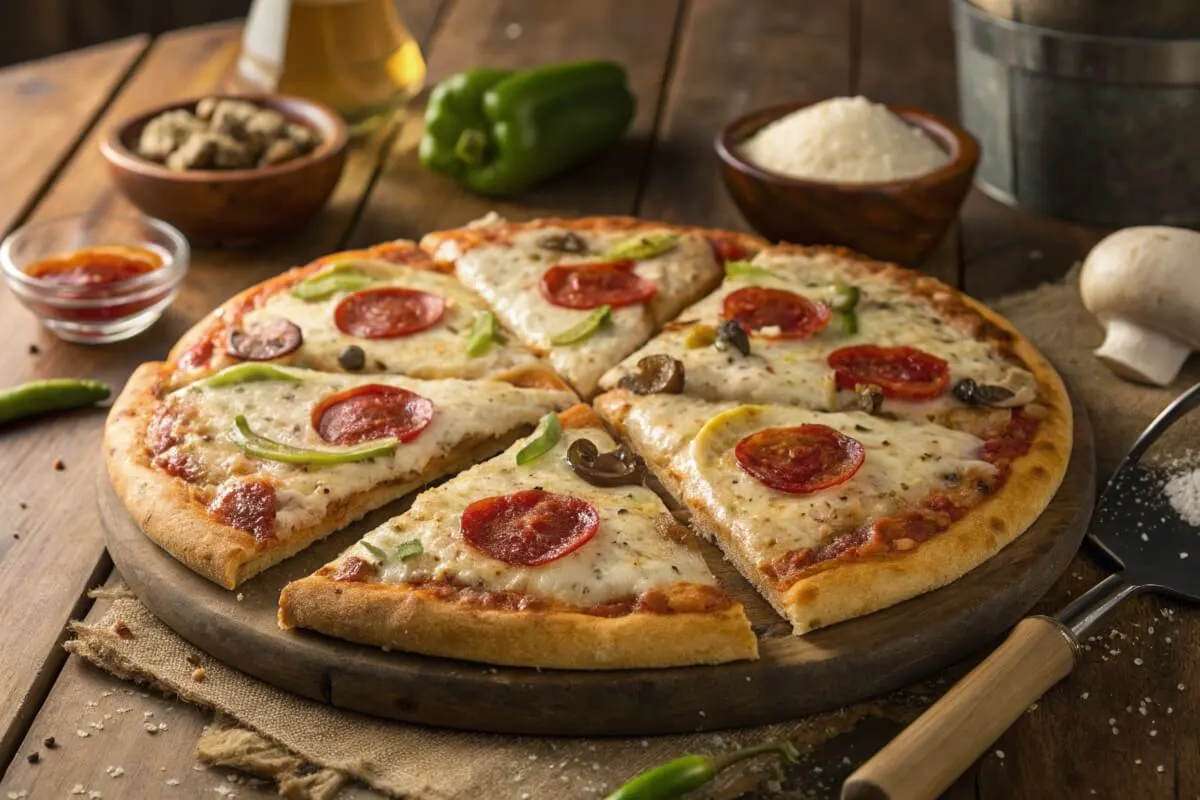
<point>1183,490</point>
<point>1000,754</point>
<point>92,704</point>
<point>78,789</point>
<point>1138,662</point>
<point>172,782</point>
<point>82,734</point>
<point>1159,768</point>
<point>1083,696</point>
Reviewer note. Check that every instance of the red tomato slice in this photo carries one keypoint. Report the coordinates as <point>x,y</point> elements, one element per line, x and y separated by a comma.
<point>605,283</point>
<point>901,372</point>
<point>800,460</point>
<point>529,528</point>
<point>374,411</point>
<point>388,313</point>
<point>757,307</point>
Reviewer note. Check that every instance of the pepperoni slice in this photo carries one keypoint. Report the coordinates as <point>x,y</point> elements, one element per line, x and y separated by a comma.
<point>388,313</point>
<point>605,283</point>
<point>758,307</point>
<point>800,460</point>
<point>264,340</point>
<point>529,528</point>
<point>728,249</point>
<point>374,411</point>
<point>248,506</point>
<point>901,372</point>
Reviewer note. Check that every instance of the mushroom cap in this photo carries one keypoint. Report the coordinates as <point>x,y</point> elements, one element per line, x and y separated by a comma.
<point>1148,277</point>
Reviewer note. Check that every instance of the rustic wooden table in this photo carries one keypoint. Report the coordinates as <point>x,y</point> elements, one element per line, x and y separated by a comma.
<point>1123,725</point>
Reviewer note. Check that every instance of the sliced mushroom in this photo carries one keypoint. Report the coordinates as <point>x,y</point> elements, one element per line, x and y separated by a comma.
<point>869,398</point>
<point>563,243</point>
<point>621,467</point>
<point>656,374</point>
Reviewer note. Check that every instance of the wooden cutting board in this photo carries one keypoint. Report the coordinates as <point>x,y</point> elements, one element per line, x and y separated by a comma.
<point>795,676</point>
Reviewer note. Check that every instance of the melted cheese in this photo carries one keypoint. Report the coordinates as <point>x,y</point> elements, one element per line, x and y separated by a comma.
<point>795,371</point>
<point>626,557</point>
<point>905,462</point>
<point>507,275</point>
<point>463,412</point>
<point>439,351</point>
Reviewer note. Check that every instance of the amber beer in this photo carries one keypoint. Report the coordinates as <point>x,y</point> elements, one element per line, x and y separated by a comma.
<point>354,55</point>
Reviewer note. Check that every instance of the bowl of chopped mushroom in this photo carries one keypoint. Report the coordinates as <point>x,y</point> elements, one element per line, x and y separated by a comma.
<point>230,170</point>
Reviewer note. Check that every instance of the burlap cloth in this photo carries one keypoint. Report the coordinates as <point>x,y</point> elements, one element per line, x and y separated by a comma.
<point>311,749</point>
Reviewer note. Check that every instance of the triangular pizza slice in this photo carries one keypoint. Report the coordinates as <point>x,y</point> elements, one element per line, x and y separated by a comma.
<point>237,471</point>
<point>388,309</point>
<point>552,554</point>
<point>587,292</point>
<point>837,514</point>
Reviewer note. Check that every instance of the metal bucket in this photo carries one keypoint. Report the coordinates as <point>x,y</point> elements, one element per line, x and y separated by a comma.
<point>1101,129</point>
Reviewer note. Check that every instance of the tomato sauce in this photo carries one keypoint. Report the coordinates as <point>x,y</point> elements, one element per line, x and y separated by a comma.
<point>93,274</point>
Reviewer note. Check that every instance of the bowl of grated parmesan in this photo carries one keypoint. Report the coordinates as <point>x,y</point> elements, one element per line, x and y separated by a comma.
<point>884,180</point>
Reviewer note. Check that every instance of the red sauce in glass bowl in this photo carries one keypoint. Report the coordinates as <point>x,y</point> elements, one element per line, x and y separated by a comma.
<point>95,273</point>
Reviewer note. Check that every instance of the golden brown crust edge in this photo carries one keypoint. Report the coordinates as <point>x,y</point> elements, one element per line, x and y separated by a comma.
<point>165,510</point>
<point>860,587</point>
<point>402,618</point>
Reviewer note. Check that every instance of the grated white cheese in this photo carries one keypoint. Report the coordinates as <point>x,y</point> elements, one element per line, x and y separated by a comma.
<point>1183,490</point>
<point>847,139</point>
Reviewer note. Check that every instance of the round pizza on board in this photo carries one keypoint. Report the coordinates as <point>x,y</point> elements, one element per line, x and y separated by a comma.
<point>850,433</point>
<point>552,554</point>
<point>585,293</point>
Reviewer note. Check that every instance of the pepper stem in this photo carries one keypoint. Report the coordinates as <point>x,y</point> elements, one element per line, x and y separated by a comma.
<point>471,145</point>
<point>784,748</point>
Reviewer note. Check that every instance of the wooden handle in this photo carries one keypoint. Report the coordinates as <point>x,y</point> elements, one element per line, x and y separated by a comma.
<point>930,753</point>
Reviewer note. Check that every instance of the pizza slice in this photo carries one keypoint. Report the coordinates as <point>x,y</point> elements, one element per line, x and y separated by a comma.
<point>552,554</point>
<point>837,514</point>
<point>388,309</point>
<point>237,471</point>
<point>585,293</point>
<point>825,329</point>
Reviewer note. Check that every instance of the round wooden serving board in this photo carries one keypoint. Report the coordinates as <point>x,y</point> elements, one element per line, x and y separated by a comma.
<point>795,676</point>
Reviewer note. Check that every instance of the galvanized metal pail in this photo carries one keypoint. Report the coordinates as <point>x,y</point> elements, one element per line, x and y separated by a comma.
<point>1096,128</point>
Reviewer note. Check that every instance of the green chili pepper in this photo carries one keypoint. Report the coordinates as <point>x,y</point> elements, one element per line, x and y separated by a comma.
<point>340,277</point>
<point>845,322</point>
<point>845,296</point>
<point>57,394</point>
<point>676,778</point>
<point>544,438</point>
<point>744,269</point>
<point>378,552</point>
<point>646,245</point>
<point>585,329</point>
<point>247,373</point>
<point>485,332</point>
<point>410,549</point>
<point>499,132</point>
<point>262,447</point>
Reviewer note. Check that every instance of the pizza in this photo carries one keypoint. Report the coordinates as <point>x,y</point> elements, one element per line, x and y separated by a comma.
<point>388,309</point>
<point>585,293</point>
<point>826,329</point>
<point>552,554</point>
<point>237,471</point>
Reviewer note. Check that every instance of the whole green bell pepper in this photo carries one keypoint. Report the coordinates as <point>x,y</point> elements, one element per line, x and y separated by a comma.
<point>499,132</point>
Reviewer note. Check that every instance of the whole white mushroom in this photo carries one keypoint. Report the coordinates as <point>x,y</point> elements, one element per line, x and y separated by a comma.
<point>1143,284</point>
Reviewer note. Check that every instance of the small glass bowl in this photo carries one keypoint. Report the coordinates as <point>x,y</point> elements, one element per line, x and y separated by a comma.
<point>106,312</point>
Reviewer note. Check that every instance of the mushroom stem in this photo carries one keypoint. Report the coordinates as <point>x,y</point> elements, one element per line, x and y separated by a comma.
<point>1140,354</point>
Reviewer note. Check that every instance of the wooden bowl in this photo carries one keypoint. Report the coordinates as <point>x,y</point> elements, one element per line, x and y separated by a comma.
<point>900,220</point>
<point>232,207</point>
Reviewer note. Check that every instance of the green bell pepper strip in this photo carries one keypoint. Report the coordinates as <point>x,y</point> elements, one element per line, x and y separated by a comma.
<point>261,447</point>
<point>57,394</point>
<point>744,269</point>
<point>341,277</point>
<point>845,296</point>
<point>404,551</point>
<point>676,778</point>
<point>498,133</point>
<point>247,373</point>
<point>548,432</point>
<point>585,329</point>
<point>647,245</point>
<point>485,332</point>
<point>845,322</point>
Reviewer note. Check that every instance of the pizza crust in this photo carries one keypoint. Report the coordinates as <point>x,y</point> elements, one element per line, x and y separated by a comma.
<point>404,618</point>
<point>169,513</point>
<point>848,589</point>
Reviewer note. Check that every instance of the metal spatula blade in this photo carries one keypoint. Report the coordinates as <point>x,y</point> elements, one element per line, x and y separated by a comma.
<point>1137,528</point>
